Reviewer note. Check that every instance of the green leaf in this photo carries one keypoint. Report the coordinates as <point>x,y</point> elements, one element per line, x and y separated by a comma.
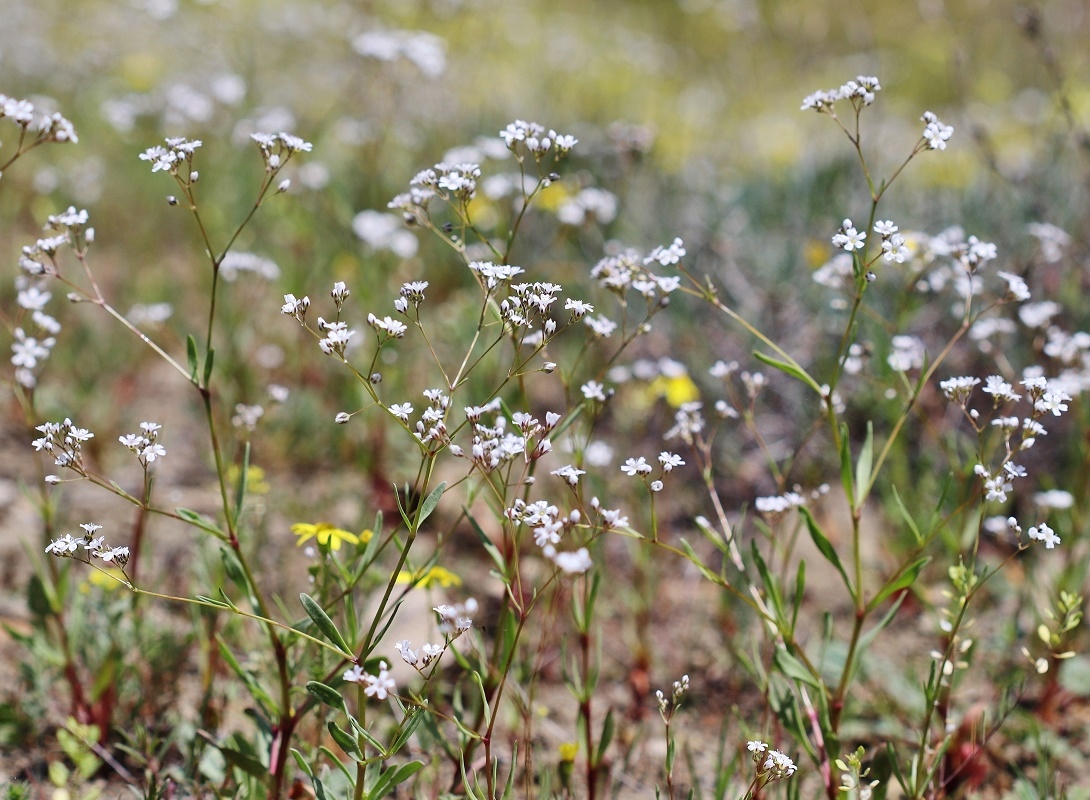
<point>486,543</point>
<point>696,562</point>
<point>863,467</point>
<point>191,354</point>
<point>327,695</point>
<point>414,716</point>
<point>214,602</point>
<point>255,689</point>
<point>244,762</point>
<point>302,763</point>
<point>903,580</point>
<point>800,594</point>
<point>202,522</point>
<point>825,547</point>
<point>243,476</point>
<point>606,738</point>
<point>344,740</point>
<point>907,517</point>
<point>429,504</point>
<point>793,668</point>
<point>771,589</point>
<point>846,478</point>
<point>324,623</point>
<point>791,368</point>
<point>393,777</point>
<point>208,361</point>
<point>367,736</point>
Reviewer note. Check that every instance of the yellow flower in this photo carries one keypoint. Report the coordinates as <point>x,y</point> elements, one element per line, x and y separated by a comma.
<point>677,390</point>
<point>325,533</point>
<point>108,579</point>
<point>436,575</point>
<point>255,479</point>
<point>568,751</point>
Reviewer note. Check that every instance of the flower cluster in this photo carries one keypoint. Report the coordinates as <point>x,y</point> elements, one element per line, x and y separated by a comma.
<point>93,547</point>
<point>378,686</point>
<point>448,181</point>
<point>860,92</point>
<point>935,132</point>
<point>51,127</point>
<point>848,238</point>
<point>893,242</point>
<point>771,764</point>
<point>432,426</point>
<point>548,527</point>
<point>1020,433</point>
<point>144,445</point>
<point>454,620</point>
<point>419,659</point>
<point>277,148</point>
<point>64,441</point>
<point>628,270</point>
<point>494,445</point>
<point>520,137</point>
<point>639,467</point>
<point>668,706</point>
<point>178,152</point>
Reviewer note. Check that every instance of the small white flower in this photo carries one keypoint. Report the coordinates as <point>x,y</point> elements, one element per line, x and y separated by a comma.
<point>636,466</point>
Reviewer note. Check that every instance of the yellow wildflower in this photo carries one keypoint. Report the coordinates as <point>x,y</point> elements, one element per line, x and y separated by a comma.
<point>325,533</point>
<point>677,389</point>
<point>435,576</point>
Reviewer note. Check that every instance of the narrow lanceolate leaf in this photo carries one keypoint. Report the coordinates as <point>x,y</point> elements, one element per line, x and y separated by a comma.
<point>191,353</point>
<point>793,668</point>
<point>323,622</point>
<point>903,580</point>
<point>327,694</point>
<point>825,547</point>
<point>846,478</point>
<point>344,740</point>
<point>863,467</point>
<point>789,367</point>
<point>429,504</point>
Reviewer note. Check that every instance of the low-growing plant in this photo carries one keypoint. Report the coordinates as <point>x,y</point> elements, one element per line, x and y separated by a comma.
<point>512,394</point>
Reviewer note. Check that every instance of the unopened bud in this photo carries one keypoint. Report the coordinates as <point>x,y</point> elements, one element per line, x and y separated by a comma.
<point>342,417</point>
<point>284,184</point>
<point>172,200</point>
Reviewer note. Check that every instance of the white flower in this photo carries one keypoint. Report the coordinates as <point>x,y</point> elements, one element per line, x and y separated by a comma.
<point>1043,533</point>
<point>1054,498</point>
<point>666,256</point>
<point>571,563</point>
<point>569,473</point>
<point>848,238</point>
<point>669,461</point>
<point>1016,287</point>
<point>935,132</point>
<point>401,410</point>
<point>1000,389</point>
<point>592,390</point>
<point>636,466</point>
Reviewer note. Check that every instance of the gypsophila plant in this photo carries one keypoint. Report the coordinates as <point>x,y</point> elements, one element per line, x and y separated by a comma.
<point>542,472</point>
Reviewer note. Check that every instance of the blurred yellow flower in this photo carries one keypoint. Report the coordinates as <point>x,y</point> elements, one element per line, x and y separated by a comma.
<point>678,389</point>
<point>568,751</point>
<point>325,533</point>
<point>109,579</point>
<point>255,479</point>
<point>435,576</point>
